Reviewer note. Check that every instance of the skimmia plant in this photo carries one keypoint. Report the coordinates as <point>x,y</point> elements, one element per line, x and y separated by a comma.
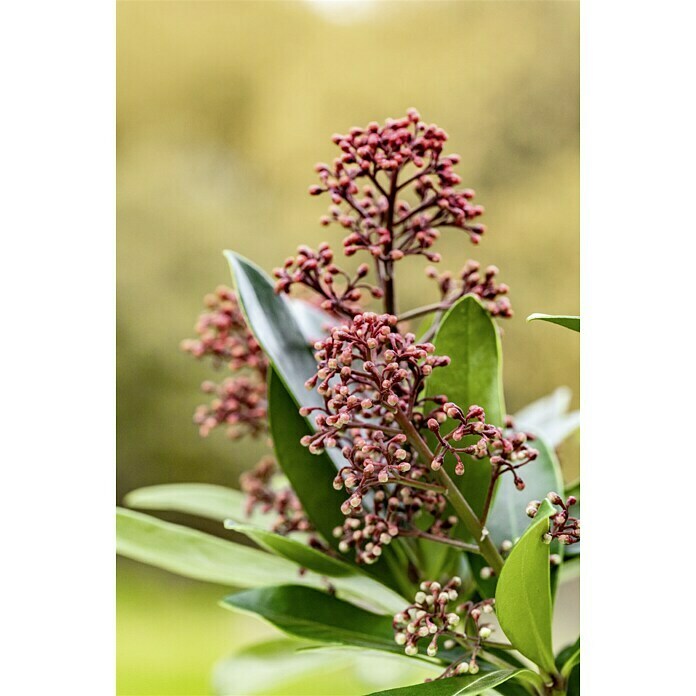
<point>402,510</point>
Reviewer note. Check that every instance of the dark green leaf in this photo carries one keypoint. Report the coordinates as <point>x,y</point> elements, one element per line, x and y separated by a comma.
<point>307,613</point>
<point>310,475</point>
<point>470,338</point>
<point>569,322</point>
<point>468,685</point>
<point>568,658</point>
<point>523,595</point>
<point>273,324</point>
<point>344,577</point>
<point>574,682</point>
<point>312,321</point>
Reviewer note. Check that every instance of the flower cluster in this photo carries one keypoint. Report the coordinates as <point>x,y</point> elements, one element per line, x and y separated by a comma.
<point>371,202</point>
<point>564,528</point>
<point>223,336</point>
<point>366,371</point>
<point>317,271</point>
<point>392,513</point>
<point>239,403</point>
<point>472,281</point>
<point>506,452</point>
<point>263,495</point>
<point>435,616</point>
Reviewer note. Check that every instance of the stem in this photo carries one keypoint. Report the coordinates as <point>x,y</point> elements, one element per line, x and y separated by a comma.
<point>413,483</point>
<point>471,548</point>
<point>420,311</point>
<point>489,496</point>
<point>459,503</point>
<point>389,296</point>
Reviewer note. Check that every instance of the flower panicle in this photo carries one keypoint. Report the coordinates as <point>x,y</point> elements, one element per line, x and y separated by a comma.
<point>473,281</point>
<point>339,292</point>
<point>437,618</point>
<point>238,403</point>
<point>564,527</point>
<point>386,217</point>
<point>507,452</point>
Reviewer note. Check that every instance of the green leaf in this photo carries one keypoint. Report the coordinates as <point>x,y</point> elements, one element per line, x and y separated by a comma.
<point>568,658</point>
<point>313,615</point>
<point>310,475</point>
<point>468,685</point>
<point>203,499</point>
<point>194,554</point>
<point>312,321</point>
<point>345,577</point>
<point>570,322</point>
<point>272,322</point>
<point>549,417</point>
<point>469,336</point>
<point>260,668</point>
<point>288,667</point>
<point>523,595</point>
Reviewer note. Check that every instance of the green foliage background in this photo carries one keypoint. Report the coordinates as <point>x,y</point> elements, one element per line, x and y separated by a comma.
<point>223,108</point>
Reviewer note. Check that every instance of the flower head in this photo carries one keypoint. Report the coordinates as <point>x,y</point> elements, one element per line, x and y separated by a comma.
<point>392,189</point>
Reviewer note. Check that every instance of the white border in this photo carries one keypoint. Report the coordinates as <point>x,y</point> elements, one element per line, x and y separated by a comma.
<point>57,288</point>
<point>57,284</point>
<point>638,120</point>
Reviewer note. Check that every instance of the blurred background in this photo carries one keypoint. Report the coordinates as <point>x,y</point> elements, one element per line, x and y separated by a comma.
<point>223,109</point>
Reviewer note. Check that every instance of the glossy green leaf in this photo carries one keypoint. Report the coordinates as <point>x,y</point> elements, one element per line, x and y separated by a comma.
<point>470,337</point>
<point>201,556</point>
<point>310,475</point>
<point>312,321</point>
<point>523,595</point>
<point>568,658</point>
<point>569,322</point>
<point>468,685</point>
<point>345,577</point>
<point>313,615</point>
<point>549,417</point>
<point>272,322</point>
<point>203,499</point>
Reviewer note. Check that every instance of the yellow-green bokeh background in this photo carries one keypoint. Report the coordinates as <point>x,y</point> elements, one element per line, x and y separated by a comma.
<point>223,108</point>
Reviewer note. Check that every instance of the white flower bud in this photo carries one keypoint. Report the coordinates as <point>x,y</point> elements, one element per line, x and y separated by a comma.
<point>400,638</point>
<point>485,632</point>
<point>463,668</point>
<point>432,650</point>
<point>411,650</point>
<point>420,597</point>
<point>485,573</point>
